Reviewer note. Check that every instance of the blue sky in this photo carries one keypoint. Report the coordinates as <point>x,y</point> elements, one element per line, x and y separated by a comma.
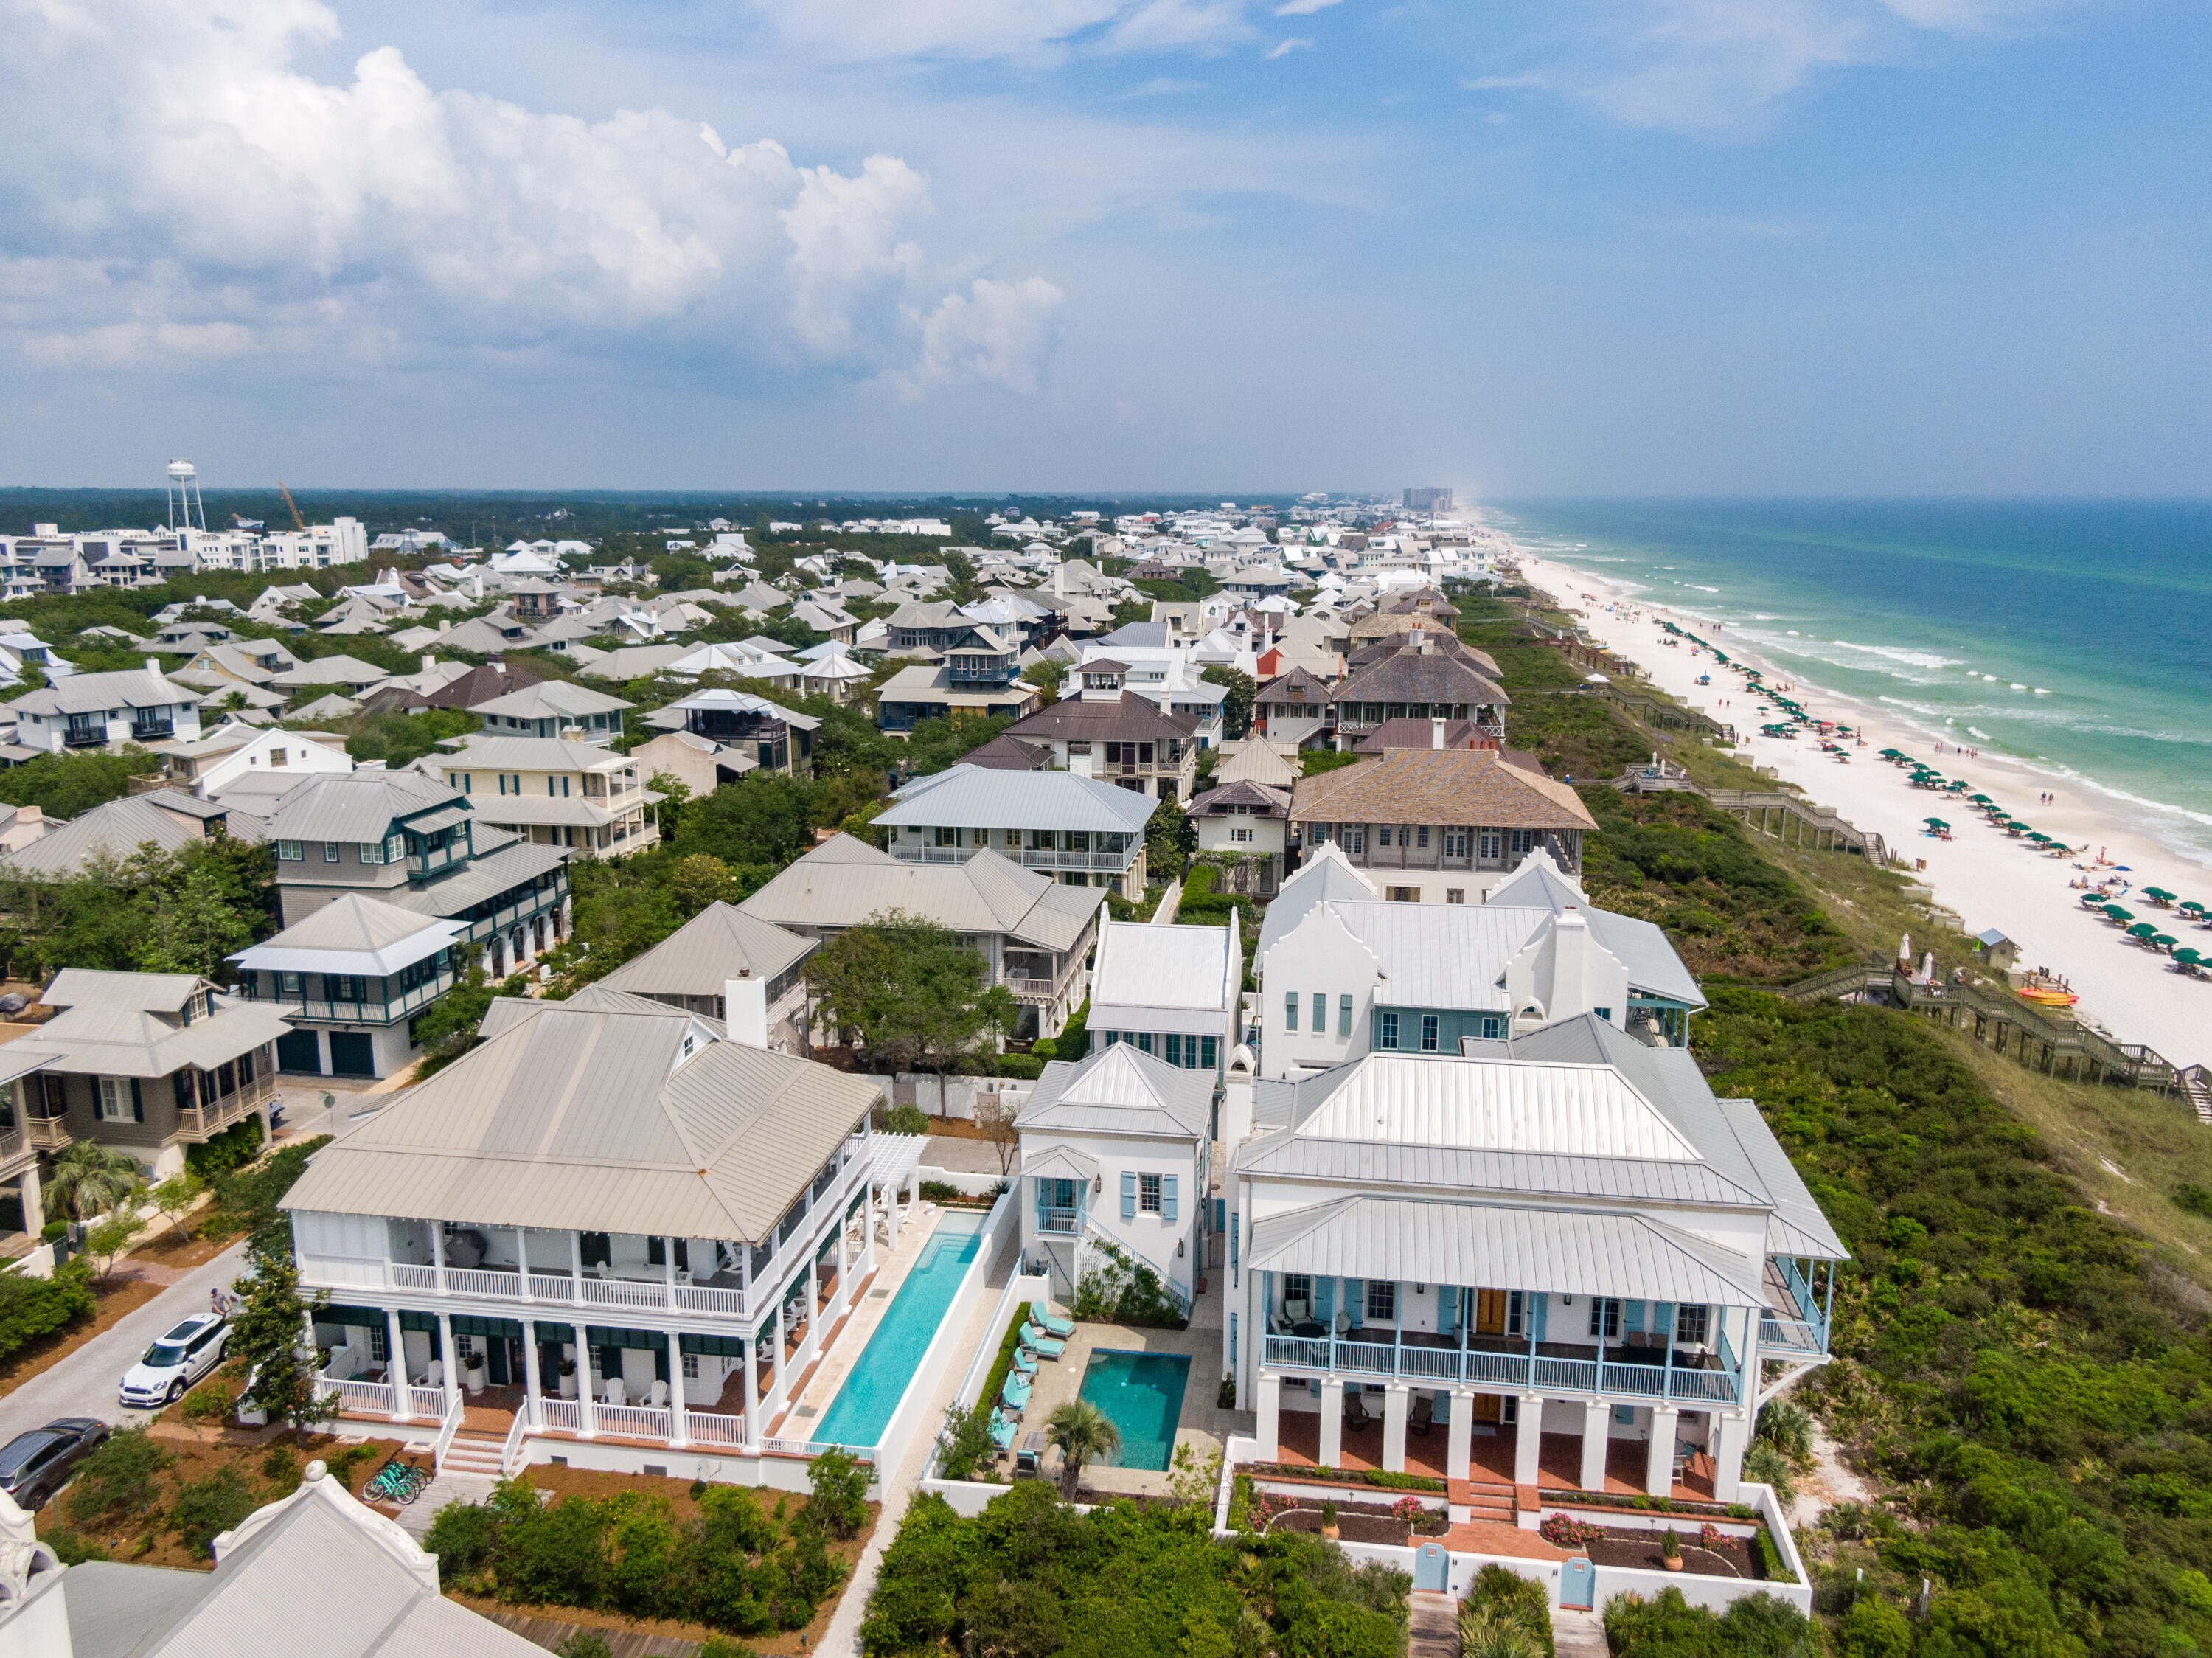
<point>1826,247</point>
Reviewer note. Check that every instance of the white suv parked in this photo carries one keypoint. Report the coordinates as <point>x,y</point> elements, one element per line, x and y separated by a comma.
<point>175,1363</point>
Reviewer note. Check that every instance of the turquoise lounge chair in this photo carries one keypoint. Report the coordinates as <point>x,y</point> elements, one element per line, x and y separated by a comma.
<point>1041,1315</point>
<point>1002,1431</point>
<point>1037,1341</point>
<point>1015,1395</point>
<point>1026,1361</point>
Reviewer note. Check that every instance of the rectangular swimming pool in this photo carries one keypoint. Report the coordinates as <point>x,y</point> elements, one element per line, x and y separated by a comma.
<point>1141,1393</point>
<point>870,1398</point>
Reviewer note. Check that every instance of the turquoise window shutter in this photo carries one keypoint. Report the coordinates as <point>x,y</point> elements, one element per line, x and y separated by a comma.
<point>1543,1305</point>
<point>1168,1199</point>
<point>1128,1194</point>
<point>1633,1317</point>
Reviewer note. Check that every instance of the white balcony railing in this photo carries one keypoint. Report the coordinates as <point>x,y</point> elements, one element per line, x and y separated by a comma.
<point>633,1421</point>
<point>565,1414</point>
<point>712,1427</point>
<point>1541,1372</point>
<point>426,1401</point>
<point>359,1399</point>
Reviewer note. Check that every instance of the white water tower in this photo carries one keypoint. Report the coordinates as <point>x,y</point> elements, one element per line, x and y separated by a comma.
<point>185,512</point>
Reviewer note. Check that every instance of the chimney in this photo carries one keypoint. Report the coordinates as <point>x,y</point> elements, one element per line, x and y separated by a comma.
<point>744,999</point>
<point>153,665</point>
<point>444,623</point>
<point>429,662</point>
<point>1436,733</point>
<point>1570,993</point>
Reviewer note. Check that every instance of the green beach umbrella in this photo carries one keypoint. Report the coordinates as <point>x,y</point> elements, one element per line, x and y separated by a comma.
<point>2185,954</point>
<point>1981,800</point>
<point>2189,906</point>
<point>2118,914</point>
<point>1936,823</point>
<point>2142,929</point>
<point>2160,894</point>
<point>2164,941</point>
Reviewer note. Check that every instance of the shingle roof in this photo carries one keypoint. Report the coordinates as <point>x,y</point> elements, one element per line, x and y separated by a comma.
<point>580,1117</point>
<point>1263,801</point>
<point>1128,718</point>
<point>1413,676</point>
<point>1258,761</point>
<point>718,944</point>
<point>1439,786</point>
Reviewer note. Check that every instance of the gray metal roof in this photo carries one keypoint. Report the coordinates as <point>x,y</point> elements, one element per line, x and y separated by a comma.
<point>1552,1251</point>
<point>551,699</point>
<point>842,883</point>
<point>1117,1090</point>
<point>1798,1227</point>
<point>355,806</point>
<point>978,797</point>
<point>354,934</point>
<point>97,693</point>
<point>486,876</point>
<point>120,827</point>
<point>115,1024</point>
<point>719,943</point>
<point>1324,876</point>
<point>588,1119</point>
<point>1480,1169</point>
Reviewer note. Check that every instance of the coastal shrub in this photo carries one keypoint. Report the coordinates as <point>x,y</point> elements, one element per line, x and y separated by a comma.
<point>963,1444</point>
<point>839,1486</point>
<point>118,1480</point>
<point>207,1405</point>
<point>1667,1626</point>
<point>1116,1288</point>
<point>1766,1465</point>
<point>734,1567</point>
<point>2196,1199</point>
<point>1512,1599</point>
<point>2030,1372</point>
<point>234,1148</point>
<point>908,1118</point>
<point>31,1308</point>
<point>1788,1429</point>
<point>1563,1531</point>
<point>1030,1575</point>
<point>209,1506</point>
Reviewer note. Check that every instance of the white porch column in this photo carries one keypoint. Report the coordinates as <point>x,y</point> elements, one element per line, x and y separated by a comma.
<point>395,1368</point>
<point>752,1387</point>
<point>576,1267</point>
<point>533,1385</point>
<point>668,1269</point>
<point>1459,1447</point>
<point>776,1384</point>
<point>1332,1423</point>
<point>813,1344</point>
<point>1659,1463</point>
<point>1528,1441</point>
<point>1731,1438</point>
<point>1395,1397</point>
<point>453,1373</point>
<point>35,1209</point>
<point>587,1410</point>
<point>1597,1431</point>
<point>438,1252</point>
<point>678,1435</point>
<point>522,1262</point>
<point>1271,1417</point>
<point>844,1263</point>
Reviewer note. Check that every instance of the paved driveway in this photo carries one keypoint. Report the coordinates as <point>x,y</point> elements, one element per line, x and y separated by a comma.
<point>84,1383</point>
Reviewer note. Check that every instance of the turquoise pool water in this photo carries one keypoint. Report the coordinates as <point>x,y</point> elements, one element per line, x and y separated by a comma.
<point>865,1405</point>
<point>1142,1394</point>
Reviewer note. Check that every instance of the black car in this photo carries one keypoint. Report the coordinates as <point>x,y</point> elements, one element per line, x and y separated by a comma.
<point>36,1464</point>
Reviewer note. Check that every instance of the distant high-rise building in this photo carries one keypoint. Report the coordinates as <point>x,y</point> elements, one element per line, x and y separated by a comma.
<point>1428,501</point>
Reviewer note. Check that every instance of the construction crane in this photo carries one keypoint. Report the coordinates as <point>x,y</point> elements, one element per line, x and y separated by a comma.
<point>298,522</point>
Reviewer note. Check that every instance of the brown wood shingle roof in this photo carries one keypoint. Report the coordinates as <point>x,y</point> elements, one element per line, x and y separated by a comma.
<point>1439,786</point>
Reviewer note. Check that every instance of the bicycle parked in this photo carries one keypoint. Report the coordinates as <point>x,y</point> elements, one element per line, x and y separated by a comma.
<point>397,1481</point>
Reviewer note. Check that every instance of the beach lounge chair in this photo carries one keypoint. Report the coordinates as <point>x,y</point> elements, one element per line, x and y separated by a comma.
<point>1041,1316</point>
<point>1355,1410</point>
<point>1037,1341</point>
<point>1002,1431</point>
<point>1015,1395</point>
<point>1026,1361</point>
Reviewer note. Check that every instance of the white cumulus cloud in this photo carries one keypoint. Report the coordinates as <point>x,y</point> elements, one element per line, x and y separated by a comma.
<point>998,332</point>
<point>207,198</point>
<point>1284,48</point>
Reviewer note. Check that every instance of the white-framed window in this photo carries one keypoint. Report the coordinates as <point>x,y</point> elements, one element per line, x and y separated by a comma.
<point>1516,1312</point>
<point>1491,843</point>
<point>1385,834</point>
<point>1388,1037</point>
<point>1298,1287</point>
<point>1421,838</point>
<point>290,851</point>
<point>1455,895</point>
<point>395,848</point>
<point>330,851</point>
<point>115,1104</point>
<point>1290,1010</point>
<point>1691,1325</point>
<point>372,851</point>
<point>1239,836</point>
<point>1428,1033</point>
<point>1605,1317</point>
<point>1148,1193</point>
<point>690,1367</point>
<point>289,984</point>
<point>1383,1300</point>
<point>1455,843</point>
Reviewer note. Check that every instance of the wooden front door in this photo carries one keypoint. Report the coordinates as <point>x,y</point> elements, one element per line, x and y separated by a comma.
<point>1490,1312</point>
<point>1489,1408</point>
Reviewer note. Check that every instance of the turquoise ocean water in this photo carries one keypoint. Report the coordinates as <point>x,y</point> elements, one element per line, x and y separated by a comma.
<point>2072,635</point>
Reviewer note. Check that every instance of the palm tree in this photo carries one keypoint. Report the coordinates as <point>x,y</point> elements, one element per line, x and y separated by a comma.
<point>90,1179</point>
<point>1081,1431</point>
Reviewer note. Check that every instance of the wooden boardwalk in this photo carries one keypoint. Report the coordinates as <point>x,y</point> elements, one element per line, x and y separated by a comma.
<point>1433,1626</point>
<point>550,1632</point>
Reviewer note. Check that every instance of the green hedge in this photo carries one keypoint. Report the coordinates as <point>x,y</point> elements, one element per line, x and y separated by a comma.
<point>33,1307</point>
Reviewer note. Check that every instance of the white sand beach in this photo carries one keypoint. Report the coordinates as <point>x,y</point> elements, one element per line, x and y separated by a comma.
<point>1990,879</point>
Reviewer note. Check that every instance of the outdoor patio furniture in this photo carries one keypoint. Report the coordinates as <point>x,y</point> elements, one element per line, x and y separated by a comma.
<point>1041,1316</point>
<point>1299,1311</point>
<point>1309,1330</point>
<point>1355,1410</point>
<point>1002,1430</point>
<point>1015,1395</point>
<point>611,1390</point>
<point>1037,1341</point>
<point>1026,1361</point>
<point>1343,1325</point>
<point>1031,1457</point>
<point>1424,1415</point>
<point>657,1395</point>
<point>435,1375</point>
